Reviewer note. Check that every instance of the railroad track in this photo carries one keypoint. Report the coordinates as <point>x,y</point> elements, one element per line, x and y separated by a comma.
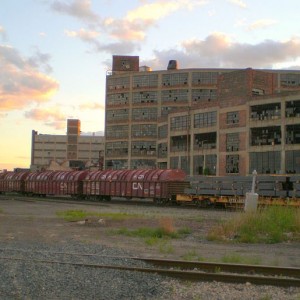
<point>69,200</point>
<point>184,270</point>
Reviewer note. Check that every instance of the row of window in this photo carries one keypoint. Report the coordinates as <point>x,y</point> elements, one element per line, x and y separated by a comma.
<point>181,95</point>
<point>169,79</point>
<point>174,79</point>
<point>262,162</point>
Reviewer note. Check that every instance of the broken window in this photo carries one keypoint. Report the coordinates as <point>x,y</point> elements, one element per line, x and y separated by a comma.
<point>261,136</point>
<point>232,142</point>
<point>232,117</point>
<point>232,164</point>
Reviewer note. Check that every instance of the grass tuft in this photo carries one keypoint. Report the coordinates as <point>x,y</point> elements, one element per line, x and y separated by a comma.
<point>72,215</point>
<point>147,233</point>
<point>192,255</point>
<point>238,259</point>
<point>78,215</point>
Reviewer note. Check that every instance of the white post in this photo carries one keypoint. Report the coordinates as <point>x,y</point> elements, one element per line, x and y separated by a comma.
<point>252,197</point>
<point>254,173</point>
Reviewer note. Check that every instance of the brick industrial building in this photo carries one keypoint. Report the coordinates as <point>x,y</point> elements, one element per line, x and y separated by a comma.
<point>211,121</point>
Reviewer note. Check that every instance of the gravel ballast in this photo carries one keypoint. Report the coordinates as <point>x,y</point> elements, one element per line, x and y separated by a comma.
<point>28,279</point>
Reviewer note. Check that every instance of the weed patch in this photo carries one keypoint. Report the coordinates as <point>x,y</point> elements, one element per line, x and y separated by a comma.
<point>153,236</point>
<point>192,256</point>
<point>270,225</point>
<point>147,233</point>
<point>78,215</point>
<point>238,259</point>
<point>72,215</point>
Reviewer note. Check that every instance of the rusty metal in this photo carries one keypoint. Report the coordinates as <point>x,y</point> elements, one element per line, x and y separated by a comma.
<point>222,267</point>
<point>183,275</point>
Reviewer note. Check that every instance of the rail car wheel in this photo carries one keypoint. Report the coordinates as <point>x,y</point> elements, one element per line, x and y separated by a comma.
<point>197,202</point>
<point>201,203</point>
<point>159,201</point>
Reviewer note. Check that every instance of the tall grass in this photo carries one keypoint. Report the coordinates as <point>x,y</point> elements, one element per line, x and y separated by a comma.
<point>270,225</point>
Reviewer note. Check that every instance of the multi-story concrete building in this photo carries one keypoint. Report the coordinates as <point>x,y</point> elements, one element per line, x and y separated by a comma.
<point>211,121</point>
<point>64,152</point>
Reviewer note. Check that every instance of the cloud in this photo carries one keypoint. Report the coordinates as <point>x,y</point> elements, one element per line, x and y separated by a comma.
<point>92,106</point>
<point>80,9</point>
<point>159,9</point>
<point>51,116</point>
<point>83,34</point>
<point>123,34</point>
<point>41,61</point>
<point>90,37</point>
<point>238,3</point>
<point>261,24</point>
<point>137,21</point>
<point>122,47</point>
<point>219,51</point>
<point>21,82</point>
<point>127,30</point>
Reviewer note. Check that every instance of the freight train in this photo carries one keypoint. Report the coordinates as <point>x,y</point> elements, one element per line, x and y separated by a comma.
<point>160,185</point>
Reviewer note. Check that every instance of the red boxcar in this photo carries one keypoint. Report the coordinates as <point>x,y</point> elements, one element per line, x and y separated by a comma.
<point>161,185</point>
<point>68,183</point>
<point>37,183</point>
<point>12,181</point>
<point>55,183</point>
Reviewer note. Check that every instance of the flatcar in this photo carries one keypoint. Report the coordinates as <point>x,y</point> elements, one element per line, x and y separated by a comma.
<point>230,191</point>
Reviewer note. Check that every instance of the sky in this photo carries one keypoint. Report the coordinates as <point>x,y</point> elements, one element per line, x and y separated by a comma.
<point>54,54</point>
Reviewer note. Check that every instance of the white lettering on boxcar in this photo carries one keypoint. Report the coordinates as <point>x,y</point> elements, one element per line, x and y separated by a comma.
<point>136,186</point>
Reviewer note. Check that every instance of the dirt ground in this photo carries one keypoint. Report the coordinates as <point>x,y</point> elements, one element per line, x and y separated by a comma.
<point>37,221</point>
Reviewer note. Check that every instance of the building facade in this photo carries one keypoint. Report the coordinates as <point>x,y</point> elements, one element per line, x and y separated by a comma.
<point>205,121</point>
<point>66,152</point>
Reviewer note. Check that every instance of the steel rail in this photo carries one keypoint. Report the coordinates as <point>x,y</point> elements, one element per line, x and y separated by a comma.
<point>183,275</point>
<point>189,265</point>
<point>225,267</point>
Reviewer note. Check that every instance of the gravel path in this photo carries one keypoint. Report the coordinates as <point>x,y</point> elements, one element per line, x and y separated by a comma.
<point>31,280</point>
